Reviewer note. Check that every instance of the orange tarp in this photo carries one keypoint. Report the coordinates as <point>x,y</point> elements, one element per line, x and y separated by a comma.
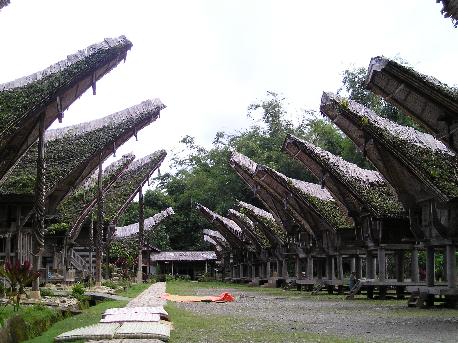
<point>223,297</point>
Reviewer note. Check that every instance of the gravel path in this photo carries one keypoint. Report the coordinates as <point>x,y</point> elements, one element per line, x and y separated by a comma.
<point>364,320</point>
<point>150,296</point>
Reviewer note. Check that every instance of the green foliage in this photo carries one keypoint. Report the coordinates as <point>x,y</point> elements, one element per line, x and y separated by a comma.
<point>353,85</point>
<point>46,292</point>
<point>89,316</point>
<point>29,321</point>
<point>57,228</point>
<point>78,291</point>
<point>127,185</point>
<point>18,276</point>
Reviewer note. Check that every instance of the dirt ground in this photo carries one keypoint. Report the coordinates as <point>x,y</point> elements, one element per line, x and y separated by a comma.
<point>363,320</point>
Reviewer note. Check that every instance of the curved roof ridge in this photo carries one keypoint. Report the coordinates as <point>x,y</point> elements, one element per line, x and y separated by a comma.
<point>145,107</point>
<point>149,224</point>
<point>80,55</point>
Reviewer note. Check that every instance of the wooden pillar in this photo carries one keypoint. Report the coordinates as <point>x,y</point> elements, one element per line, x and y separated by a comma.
<point>141,227</point>
<point>430,266</point>
<point>310,267</point>
<point>444,265</point>
<point>359,267</point>
<point>253,271</point>
<point>327,267</point>
<point>400,265</point>
<point>99,228</point>
<point>268,270</point>
<point>414,271</point>
<point>370,270</point>
<point>330,267</point>
<point>298,267</point>
<point>352,264</point>
<point>319,268</point>
<point>340,267</point>
<point>241,270</point>
<point>278,268</point>
<point>8,246</point>
<point>450,252</point>
<point>39,206</point>
<point>284,268</point>
<point>381,258</point>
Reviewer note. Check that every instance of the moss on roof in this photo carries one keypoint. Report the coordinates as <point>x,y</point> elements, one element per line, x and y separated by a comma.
<point>82,199</point>
<point>260,237</point>
<point>26,96</point>
<point>369,186</point>
<point>229,229</point>
<point>317,198</point>
<point>68,148</point>
<point>264,218</point>
<point>127,185</point>
<point>380,62</point>
<point>420,152</point>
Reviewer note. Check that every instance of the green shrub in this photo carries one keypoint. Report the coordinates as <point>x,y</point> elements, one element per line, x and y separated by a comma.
<point>78,290</point>
<point>46,292</point>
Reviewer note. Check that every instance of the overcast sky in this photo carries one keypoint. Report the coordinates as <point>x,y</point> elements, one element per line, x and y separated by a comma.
<point>208,60</point>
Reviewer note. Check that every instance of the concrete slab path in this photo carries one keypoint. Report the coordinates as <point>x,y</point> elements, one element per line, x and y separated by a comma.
<point>127,330</point>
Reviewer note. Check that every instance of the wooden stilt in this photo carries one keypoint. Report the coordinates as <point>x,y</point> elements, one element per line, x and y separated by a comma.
<point>99,229</point>
<point>39,206</point>
<point>141,227</point>
<point>381,258</point>
<point>430,269</point>
<point>450,252</point>
<point>414,270</point>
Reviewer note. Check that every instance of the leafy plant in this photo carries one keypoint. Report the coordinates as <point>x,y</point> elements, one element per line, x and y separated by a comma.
<point>78,291</point>
<point>18,275</point>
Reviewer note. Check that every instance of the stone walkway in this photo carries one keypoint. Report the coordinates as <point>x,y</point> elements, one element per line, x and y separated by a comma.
<point>124,328</point>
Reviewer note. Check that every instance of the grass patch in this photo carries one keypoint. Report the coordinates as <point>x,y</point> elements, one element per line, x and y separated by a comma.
<point>31,320</point>
<point>190,327</point>
<point>89,316</point>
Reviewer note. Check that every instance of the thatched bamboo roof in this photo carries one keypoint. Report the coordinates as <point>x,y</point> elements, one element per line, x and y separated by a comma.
<point>218,248</point>
<point>309,200</point>
<point>77,206</point>
<point>402,154</point>
<point>126,187</point>
<point>252,231</point>
<point>149,224</point>
<point>430,102</point>
<point>228,228</point>
<point>265,221</point>
<point>72,153</point>
<point>450,10</point>
<point>245,168</point>
<point>51,91</point>
<point>360,190</point>
<point>217,238</point>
